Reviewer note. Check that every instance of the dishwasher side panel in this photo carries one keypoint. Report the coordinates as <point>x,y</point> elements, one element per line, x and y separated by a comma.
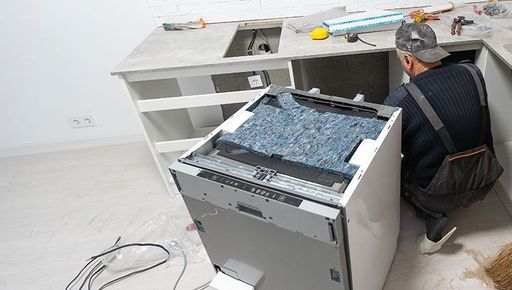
<point>373,213</point>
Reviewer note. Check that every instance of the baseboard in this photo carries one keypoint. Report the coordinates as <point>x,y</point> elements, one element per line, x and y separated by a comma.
<point>70,145</point>
<point>502,195</point>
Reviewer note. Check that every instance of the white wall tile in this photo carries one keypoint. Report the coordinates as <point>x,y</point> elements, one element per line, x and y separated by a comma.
<point>233,10</point>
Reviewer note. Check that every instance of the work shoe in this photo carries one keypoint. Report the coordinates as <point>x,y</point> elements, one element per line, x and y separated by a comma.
<point>426,246</point>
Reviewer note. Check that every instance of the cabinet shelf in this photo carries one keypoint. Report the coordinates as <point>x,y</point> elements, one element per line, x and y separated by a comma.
<point>176,145</point>
<point>173,103</point>
<point>196,135</point>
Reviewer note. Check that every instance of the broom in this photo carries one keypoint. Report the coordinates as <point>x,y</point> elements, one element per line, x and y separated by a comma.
<point>500,270</point>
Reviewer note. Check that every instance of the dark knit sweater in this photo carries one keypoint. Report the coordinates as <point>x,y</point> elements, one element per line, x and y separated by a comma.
<point>453,94</point>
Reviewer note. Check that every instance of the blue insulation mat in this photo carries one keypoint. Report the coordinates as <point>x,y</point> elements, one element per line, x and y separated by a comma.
<point>303,136</point>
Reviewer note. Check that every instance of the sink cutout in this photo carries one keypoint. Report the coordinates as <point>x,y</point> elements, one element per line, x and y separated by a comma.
<point>266,39</point>
<point>508,47</point>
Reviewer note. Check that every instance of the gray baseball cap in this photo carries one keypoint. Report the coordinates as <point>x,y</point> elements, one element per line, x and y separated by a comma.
<point>419,40</point>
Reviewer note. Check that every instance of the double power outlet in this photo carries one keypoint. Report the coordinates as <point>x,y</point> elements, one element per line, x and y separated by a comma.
<point>81,122</point>
<point>255,81</point>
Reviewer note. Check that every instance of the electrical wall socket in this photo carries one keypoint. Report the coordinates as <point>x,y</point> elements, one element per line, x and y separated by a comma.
<point>255,81</point>
<point>81,122</point>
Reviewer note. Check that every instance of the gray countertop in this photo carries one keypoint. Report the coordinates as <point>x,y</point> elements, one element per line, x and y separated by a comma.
<point>205,48</point>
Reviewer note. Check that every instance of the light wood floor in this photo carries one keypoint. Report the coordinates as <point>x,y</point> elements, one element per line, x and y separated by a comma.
<point>58,209</point>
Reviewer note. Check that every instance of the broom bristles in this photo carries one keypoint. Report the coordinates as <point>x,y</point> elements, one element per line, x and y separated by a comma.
<point>500,270</point>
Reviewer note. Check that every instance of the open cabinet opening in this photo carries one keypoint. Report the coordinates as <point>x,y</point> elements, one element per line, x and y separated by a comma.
<point>345,76</point>
<point>374,75</point>
<point>255,40</point>
<point>241,81</point>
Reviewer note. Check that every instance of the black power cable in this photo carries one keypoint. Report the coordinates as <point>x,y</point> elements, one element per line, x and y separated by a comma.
<point>94,276</point>
<point>89,275</point>
<point>251,43</point>
<point>182,270</point>
<point>95,271</point>
<point>267,77</point>
<point>370,44</point>
<point>78,276</point>
<point>82,271</point>
<point>354,37</point>
<point>250,51</point>
<point>98,268</point>
<point>109,283</point>
<point>265,73</point>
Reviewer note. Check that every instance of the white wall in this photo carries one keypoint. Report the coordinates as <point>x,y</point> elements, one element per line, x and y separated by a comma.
<point>55,59</point>
<point>229,10</point>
